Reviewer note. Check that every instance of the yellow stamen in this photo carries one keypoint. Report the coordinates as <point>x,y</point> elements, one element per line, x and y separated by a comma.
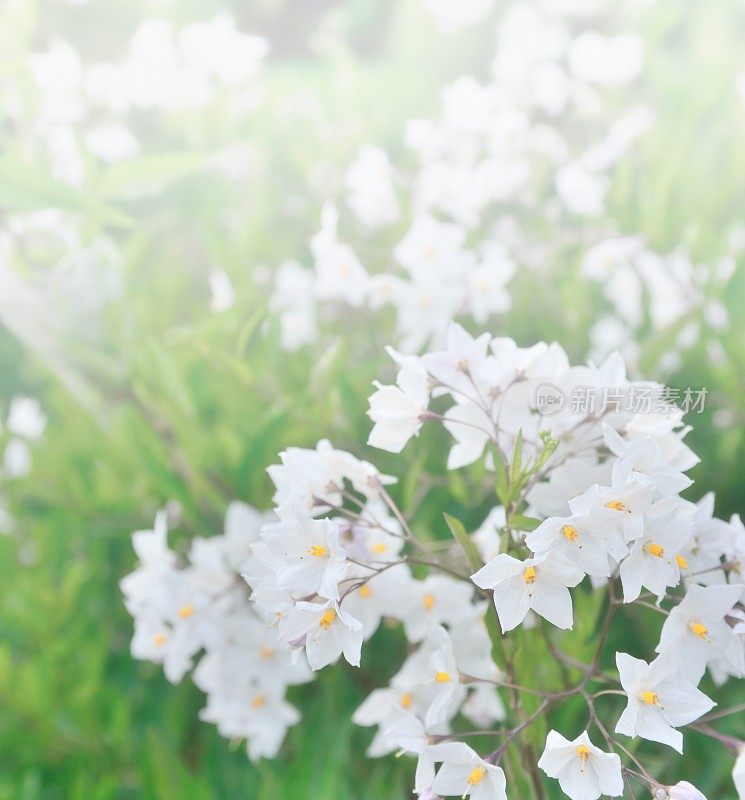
<point>681,562</point>
<point>650,698</point>
<point>529,574</point>
<point>616,505</point>
<point>570,532</point>
<point>266,651</point>
<point>700,630</point>
<point>443,677</point>
<point>365,591</point>
<point>379,547</point>
<point>583,751</point>
<point>318,550</point>
<point>476,776</point>
<point>159,639</point>
<point>327,619</point>
<point>405,700</point>
<point>186,611</point>
<point>656,550</point>
<point>258,701</point>
<point>428,601</point>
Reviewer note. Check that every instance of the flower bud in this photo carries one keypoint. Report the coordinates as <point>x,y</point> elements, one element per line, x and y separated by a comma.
<point>684,791</point>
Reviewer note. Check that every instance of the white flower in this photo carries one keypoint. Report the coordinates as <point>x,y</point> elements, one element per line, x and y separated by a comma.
<point>385,594</point>
<point>684,791</point>
<point>261,715</point>
<point>430,247</point>
<point>537,583</point>
<point>659,700</point>
<point>17,459</point>
<point>647,457</point>
<point>25,418</point>
<point>583,770</point>
<point>653,561</point>
<point>398,411</point>
<point>314,561</point>
<point>450,16</point>
<point>464,773</point>
<point>325,631</point>
<point>223,293</point>
<point>443,672</point>
<point>697,631</point>
<point>582,191</point>
<point>435,600</point>
<point>738,774</point>
<point>585,541</point>
<point>605,60</point>
<point>372,195</point>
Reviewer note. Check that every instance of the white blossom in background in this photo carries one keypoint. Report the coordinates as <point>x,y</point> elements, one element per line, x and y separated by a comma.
<point>184,607</point>
<point>452,16</point>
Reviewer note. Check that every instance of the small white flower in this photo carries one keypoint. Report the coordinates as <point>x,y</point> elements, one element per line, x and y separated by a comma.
<point>697,630</point>
<point>738,774</point>
<point>25,418</point>
<point>223,293</point>
<point>583,770</point>
<point>684,791</point>
<point>314,561</point>
<point>464,773</point>
<point>540,584</point>
<point>585,541</point>
<point>445,676</point>
<point>325,631</point>
<point>654,560</point>
<point>398,411</point>
<point>659,700</point>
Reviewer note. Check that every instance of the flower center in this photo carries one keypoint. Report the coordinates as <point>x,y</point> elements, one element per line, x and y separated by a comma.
<point>529,575</point>
<point>318,550</point>
<point>428,601</point>
<point>186,611</point>
<point>654,549</point>
<point>379,548</point>
<point>583,752</point>
<point>570,532</point>
<point>327,619</point>
<point>651,698</point>
<point>681,562</point>
<point>476,776</point>
<point>700,630</point>
<point>616,505</point>
<point>405,700</point>
<point>443,677</point>
<point>365,591</point>
<point>159,639</point>
<point>258,701</point>
<point>266,651</point>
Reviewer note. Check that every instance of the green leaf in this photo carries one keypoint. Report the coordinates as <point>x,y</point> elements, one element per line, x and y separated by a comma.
<point>149,174</point>
<point>26,187</point>
<point>465,541</point>
<point>523,523</point>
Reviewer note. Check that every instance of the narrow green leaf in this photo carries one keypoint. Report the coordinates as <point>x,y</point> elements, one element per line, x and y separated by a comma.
<point>464,540</point>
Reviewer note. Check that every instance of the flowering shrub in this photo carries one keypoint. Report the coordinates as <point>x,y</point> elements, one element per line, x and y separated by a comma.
<point>588,503</point>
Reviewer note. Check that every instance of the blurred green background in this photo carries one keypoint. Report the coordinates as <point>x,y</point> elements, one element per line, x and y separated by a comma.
<point>154,399</point>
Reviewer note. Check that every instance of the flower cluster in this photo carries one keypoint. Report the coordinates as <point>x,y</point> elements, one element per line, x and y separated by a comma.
<point>88,112</point>
<point>590,507</point>
<point>200,605</point>
<point>490,174</point>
